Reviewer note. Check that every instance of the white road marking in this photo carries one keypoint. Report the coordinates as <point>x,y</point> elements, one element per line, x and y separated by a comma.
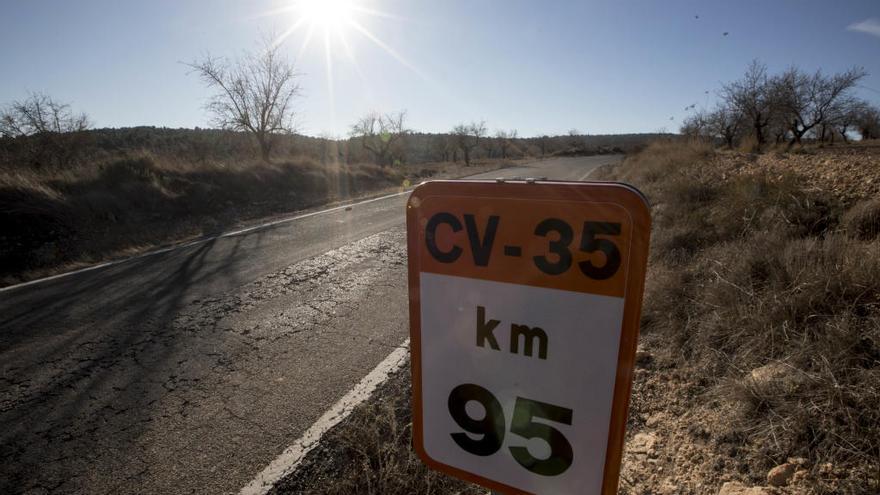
<point>590,172</point>
<point>289,460</point>
<point>195,242</point>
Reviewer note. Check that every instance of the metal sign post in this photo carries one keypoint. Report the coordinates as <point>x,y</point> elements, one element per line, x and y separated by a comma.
<point>524,312</point>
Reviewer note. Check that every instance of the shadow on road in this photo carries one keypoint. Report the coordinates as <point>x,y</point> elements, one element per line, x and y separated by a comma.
<point>88,361</point>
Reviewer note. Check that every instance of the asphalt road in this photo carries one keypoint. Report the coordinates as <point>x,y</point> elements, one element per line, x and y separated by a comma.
<point>190,370</point>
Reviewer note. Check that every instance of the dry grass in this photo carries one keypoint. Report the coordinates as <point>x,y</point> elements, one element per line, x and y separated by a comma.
<point>115,202</point>
<point>371,454</point>
<point>755,286</point>
<point>51,217</point>
<point>862,221</point>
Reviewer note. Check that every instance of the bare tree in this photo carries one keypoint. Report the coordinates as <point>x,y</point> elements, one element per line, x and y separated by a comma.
<point>695,126</point>
<point>726,123</point>
<point>810,100</point>
<point>752,96</point>
<point>868,121</point>
<point>575,141</point>
<point>542,143</point>
<point>505,140</point>
<point>844,115</point>
<point>379,134</point>
<point>47,131</point>
<point>255,93</point>
<point>467,137</point>
<point>38,114</point>
<point>441,147</point>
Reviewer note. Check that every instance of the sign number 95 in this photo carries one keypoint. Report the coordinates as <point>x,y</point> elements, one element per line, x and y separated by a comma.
<point>492,428</point>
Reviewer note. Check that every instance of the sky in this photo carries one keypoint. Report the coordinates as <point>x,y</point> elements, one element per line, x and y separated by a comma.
<point>538,67</point>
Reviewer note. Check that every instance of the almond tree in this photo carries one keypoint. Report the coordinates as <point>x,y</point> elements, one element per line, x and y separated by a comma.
<point>379,133</point>
<point>753,97</point>
<point>868,121</point>
<point>254,93</point>
<point>467,137</point>
<point>40,114</point>
<point>46,131</point>
<point>695,126</point>
<point>811,100</point>
<point>505,140</point>
<point>726,123</point>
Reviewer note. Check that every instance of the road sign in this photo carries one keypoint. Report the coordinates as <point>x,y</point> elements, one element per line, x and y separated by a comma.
<point>524,313</point>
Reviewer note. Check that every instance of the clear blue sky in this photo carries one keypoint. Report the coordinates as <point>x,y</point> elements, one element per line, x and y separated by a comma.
<point>539,67</point>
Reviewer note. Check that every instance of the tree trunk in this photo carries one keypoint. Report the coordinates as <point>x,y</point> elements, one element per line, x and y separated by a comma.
<point>265,147</point>
<point>759,132</point>
<point>795,138</point>
<point>467,157</point>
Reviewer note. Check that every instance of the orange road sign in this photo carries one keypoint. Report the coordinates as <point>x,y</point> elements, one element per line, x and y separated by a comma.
<point>524,310</point>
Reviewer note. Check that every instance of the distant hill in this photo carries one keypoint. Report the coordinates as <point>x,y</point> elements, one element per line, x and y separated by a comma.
<point>201,145</point>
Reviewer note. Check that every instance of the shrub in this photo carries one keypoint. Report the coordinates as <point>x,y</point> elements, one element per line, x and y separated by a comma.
<point>862,221</point>
<point>754,287</point>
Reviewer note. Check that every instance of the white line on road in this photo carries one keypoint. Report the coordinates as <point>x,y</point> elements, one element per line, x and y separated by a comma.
<point>590,172</point>
<point>196,242</point>
<point>288,461</point>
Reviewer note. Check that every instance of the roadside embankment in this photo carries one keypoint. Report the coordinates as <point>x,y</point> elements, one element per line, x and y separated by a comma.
<point>761,328</point>
<point>55,220</point>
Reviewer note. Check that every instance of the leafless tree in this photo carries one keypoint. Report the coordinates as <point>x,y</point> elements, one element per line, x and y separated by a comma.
<point>254,93</point>
<point>752,96</point>
<point>543,141</point>
<point>38,114</point>
<point>505,140</point>
<point>725,123</point>
<point>868,121</point>
<point>811,100</point>
<point>467,137</point>
<point>379,134</point>
<point>695,126</point>
<point>575,141</point>
<point>47,132</point>
<point>844,115</point>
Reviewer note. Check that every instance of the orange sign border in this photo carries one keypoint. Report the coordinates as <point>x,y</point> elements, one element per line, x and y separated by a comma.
<point>624,195</point>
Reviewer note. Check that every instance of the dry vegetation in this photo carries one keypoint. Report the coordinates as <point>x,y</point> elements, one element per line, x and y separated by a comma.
<point>70,196</point>
<point>52,218</point>
<point>370,453</point>
<point>128,190</point>
<point>762,319</point>
<point>760,339</point>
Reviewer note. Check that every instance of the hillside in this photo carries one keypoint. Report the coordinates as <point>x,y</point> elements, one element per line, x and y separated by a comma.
<point>761,331</point>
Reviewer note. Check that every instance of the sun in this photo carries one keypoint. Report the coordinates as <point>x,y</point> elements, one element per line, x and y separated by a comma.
<point>333,23</point>
<point>327,14</point>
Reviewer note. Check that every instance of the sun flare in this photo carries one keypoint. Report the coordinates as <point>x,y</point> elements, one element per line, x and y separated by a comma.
<point>337,25</point>
<point>327,14</point>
